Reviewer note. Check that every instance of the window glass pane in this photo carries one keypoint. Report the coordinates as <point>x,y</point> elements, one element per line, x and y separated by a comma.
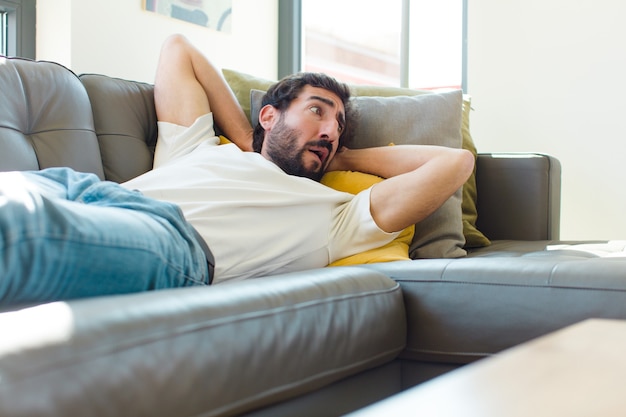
<point>359,41</point>
<point>436,44</point>
<point>356,41</point>
<point>4,46</point>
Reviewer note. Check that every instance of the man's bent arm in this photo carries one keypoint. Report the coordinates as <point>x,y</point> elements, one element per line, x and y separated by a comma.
<point>188,85</point>
<point>419,179</point>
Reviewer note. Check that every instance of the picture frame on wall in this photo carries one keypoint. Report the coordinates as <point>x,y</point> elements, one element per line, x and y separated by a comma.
<point>213,14</point>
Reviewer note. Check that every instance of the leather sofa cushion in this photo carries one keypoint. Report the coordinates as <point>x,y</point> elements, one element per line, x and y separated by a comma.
<point>218,350</point>
<point>462,310</point>
<point>46,118</point>
<point>125,122</point>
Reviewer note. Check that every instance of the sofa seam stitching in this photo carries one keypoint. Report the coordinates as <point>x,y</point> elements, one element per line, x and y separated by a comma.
<point>497,284</point>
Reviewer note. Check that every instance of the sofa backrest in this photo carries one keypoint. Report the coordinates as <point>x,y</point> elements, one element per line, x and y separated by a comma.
<point>93,123</point>
<point>125,124</point>
<point>45,118</point>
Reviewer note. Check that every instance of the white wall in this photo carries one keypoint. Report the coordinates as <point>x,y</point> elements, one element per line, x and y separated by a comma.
<point>120,39</point>
<point>548,76</point>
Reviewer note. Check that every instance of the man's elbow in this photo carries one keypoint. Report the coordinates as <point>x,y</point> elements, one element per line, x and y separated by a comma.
<point>465,164</point>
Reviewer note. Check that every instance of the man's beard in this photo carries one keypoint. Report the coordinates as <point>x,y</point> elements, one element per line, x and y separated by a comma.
<point>282,148</point>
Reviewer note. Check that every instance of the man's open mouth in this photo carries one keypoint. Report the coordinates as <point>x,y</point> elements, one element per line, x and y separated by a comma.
<point>321,152</point>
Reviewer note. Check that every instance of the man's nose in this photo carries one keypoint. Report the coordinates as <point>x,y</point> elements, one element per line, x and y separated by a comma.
<point>330,130</point>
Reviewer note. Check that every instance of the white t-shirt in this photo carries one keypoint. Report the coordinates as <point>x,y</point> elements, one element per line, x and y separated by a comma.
<point>256,219</point>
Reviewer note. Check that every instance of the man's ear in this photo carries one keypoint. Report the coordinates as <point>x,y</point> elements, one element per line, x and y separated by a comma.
<point>267,116</point>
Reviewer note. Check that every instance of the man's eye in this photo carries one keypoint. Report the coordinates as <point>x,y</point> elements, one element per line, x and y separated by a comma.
<point>315,109</point>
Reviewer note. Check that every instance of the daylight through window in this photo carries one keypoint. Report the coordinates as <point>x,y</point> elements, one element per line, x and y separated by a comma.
<point>4,28</point>
<point>408,43</point>
<point>357,47</point>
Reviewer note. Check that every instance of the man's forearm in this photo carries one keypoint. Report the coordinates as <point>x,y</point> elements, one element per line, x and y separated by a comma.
<point>386,161</point>
<point>226,110</point>
<point>419,179</point>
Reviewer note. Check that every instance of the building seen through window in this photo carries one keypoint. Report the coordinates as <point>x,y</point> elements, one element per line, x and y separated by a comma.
<point>355,41</point>
<point>366,42</point>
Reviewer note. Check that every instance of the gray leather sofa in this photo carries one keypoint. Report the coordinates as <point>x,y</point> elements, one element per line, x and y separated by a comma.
<point>316,343</point>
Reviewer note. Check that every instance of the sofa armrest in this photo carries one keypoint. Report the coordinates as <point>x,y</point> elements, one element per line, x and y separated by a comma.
<point>519,196</point>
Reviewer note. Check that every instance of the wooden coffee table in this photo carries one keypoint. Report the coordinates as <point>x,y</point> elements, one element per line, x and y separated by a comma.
<point>577,371</point>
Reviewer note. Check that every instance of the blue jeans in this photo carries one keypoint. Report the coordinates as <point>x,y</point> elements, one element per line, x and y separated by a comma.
<point>67,235</point>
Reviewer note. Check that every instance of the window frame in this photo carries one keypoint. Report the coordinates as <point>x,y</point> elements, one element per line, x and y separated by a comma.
<point>20,17</point>
<point>290,37</point>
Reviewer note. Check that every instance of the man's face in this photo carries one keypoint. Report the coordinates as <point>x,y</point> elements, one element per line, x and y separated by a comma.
<point>303,139</point>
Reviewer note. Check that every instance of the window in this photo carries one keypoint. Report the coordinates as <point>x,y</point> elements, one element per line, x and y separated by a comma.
<point>407,43</point>
<point>17,28</point>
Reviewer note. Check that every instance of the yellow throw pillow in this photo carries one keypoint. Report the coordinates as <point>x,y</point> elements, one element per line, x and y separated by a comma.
<point>353,183</point>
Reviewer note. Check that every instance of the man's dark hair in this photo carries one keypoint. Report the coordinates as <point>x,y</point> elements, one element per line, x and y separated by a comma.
<point>281,94</point>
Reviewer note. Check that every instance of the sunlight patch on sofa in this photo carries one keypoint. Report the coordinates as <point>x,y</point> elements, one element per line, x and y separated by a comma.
<point>36,327</point>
